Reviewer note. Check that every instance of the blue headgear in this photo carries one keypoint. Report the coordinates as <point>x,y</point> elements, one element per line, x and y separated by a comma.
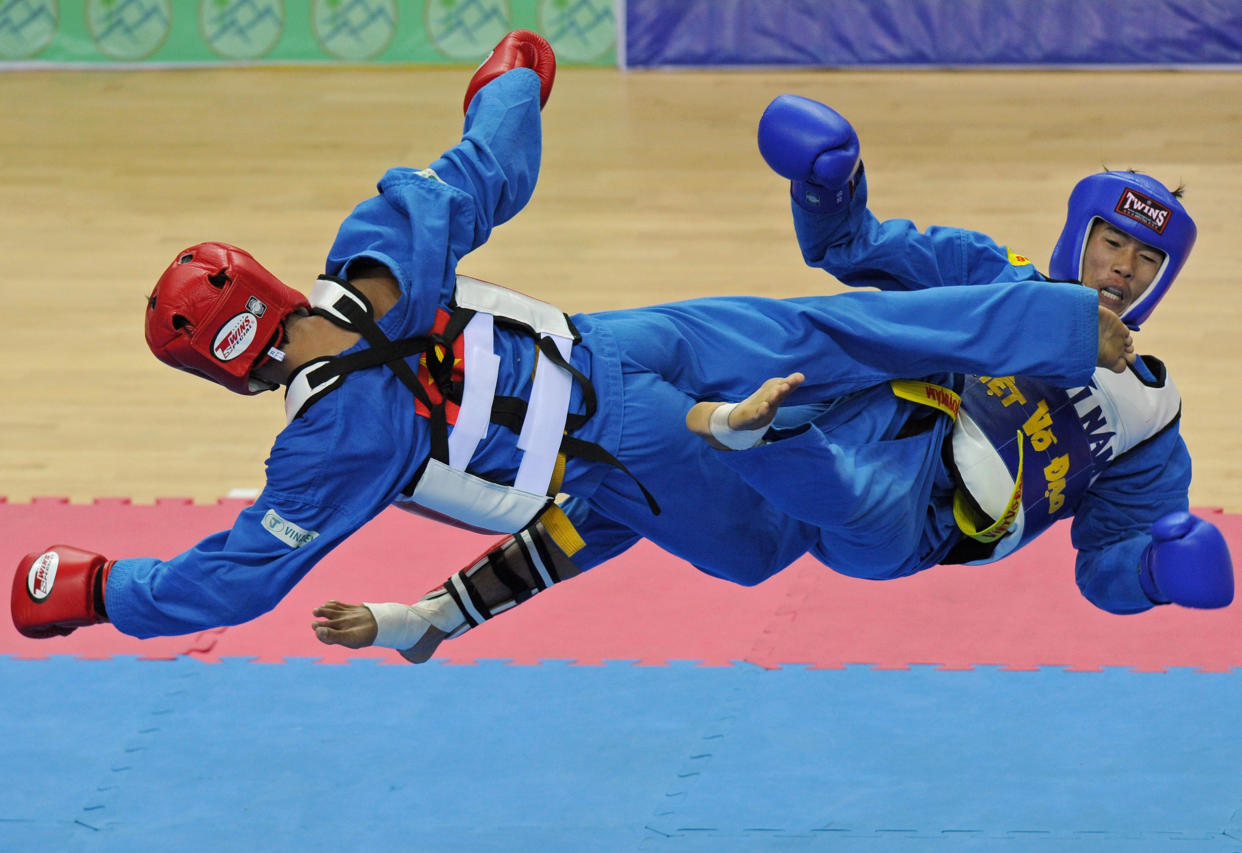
<point>1139,206</point>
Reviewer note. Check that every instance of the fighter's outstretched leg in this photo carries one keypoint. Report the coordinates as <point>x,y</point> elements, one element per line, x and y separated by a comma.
<point>518,567</point>
<point>739,426</point>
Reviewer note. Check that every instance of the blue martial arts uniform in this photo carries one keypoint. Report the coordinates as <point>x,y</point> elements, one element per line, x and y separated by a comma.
<point>1112,523</point>
<point>354,451</point>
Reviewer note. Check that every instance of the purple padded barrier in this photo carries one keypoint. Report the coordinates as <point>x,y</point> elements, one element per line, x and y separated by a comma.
<point>826,33</point>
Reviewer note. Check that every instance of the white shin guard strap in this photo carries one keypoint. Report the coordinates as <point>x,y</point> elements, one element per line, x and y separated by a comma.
<point>734,439</point>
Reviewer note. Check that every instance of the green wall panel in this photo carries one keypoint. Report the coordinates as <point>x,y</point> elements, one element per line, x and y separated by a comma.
<point>441,32</point>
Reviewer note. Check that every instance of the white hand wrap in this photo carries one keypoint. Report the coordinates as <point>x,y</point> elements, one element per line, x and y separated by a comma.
<point>402,626</point>
<point>734,439</point>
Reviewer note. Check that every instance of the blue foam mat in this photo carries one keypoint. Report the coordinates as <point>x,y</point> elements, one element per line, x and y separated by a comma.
<point>138,755</point>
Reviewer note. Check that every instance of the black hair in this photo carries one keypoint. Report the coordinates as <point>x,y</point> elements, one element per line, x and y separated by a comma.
<point>1177,193</point>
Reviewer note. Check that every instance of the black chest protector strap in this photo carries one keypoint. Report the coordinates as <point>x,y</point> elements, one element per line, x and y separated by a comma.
<point>352,311</point>
<point>392,354</point>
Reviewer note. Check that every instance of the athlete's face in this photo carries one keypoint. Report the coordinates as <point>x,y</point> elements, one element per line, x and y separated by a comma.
<point>1118,266</point>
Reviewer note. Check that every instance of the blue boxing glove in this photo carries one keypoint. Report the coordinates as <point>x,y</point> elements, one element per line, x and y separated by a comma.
<point>1187,563</point>
<point>814,147</point>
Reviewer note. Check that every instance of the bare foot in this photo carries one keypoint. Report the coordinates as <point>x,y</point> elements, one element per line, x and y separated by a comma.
<point>354,626</point>
<point>348,625</point>
<point>756,412</point>
<point>1116,343</point>
<point>759,409</point>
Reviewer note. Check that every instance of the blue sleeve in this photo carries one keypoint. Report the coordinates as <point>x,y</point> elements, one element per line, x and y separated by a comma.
<point>228,578</point>
<point>313,500</point>
<point>1112,525</point>
<point>861,251</point>
<point>424,220</point>
<point>497,161</point>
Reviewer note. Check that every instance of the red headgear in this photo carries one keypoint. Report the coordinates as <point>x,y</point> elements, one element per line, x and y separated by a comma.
<point>217,313</point>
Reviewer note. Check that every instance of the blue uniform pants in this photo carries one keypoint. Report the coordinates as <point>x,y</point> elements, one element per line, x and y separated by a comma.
<point>844,489</point>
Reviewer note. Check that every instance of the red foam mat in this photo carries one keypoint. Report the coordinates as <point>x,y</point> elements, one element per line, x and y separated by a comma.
<point>649,607</point>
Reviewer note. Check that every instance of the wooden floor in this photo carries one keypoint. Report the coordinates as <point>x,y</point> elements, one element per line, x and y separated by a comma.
<point>652,189</point>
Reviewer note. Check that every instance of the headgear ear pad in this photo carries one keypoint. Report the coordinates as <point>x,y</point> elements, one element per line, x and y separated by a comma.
<point>216,312</point>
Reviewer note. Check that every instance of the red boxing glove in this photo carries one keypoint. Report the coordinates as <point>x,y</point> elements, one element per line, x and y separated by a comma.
<point>519,49</point>
<point>58,591</point>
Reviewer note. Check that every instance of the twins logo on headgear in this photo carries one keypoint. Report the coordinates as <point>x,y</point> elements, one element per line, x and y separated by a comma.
<point>217,313</point>
<point>1139,206</point>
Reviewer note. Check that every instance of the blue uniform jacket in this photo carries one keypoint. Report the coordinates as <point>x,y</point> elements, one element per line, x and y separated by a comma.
<point>1112,523</point>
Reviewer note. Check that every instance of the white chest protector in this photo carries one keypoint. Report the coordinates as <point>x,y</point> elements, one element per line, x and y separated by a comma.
<point>1016,434</point>
<point>444,488</point>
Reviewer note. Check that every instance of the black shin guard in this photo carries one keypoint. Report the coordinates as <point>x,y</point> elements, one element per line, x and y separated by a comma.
<point>504,577</point>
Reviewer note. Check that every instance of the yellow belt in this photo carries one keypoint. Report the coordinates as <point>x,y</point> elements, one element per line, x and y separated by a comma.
<point>554,519</point>
<point>950,402</point>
